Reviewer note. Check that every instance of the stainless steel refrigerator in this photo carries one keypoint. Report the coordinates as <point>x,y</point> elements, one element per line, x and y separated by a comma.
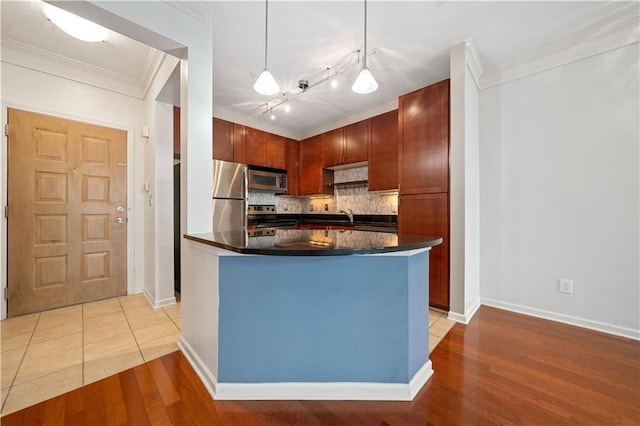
<point>229,196</point>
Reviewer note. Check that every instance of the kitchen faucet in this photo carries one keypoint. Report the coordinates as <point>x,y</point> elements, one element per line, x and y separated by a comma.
<point>349,215</point>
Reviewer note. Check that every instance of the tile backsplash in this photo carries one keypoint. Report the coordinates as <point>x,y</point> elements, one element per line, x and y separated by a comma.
<point>284,204</point>
<point>354,197</point>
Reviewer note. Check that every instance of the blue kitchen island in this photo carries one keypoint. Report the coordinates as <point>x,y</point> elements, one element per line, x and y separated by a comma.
<point>308,314</point>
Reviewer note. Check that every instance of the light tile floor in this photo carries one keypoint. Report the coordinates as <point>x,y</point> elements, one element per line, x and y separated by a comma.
<point>53,352</point>
<point>439,326</point>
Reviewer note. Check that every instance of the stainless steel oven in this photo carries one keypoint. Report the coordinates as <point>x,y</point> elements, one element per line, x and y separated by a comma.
<point>265,216</point>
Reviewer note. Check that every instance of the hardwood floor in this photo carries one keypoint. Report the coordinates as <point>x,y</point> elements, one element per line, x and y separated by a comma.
<point>503,368</point>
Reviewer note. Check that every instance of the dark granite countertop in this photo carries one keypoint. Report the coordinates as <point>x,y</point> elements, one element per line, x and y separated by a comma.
<point>302,242</point>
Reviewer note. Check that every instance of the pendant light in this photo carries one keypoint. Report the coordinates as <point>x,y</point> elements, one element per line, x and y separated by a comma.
<point>365,83</point>
<point>266,84</point>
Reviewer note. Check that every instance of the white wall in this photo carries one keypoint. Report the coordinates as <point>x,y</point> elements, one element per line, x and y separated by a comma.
<point>31,90</point>
<point>464,279</point>
<point>162,205</point>
<point>472,190</point>
<point>158,205</point>
<point>559,187</point>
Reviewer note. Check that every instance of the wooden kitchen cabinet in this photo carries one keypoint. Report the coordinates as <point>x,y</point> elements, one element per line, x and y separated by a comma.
<point>333,147</point>
<point>346,145</point>
<point>264,149</point>
<point>383,152</point>
<point>356,142</point>
<point>292,150</point>
<point>428,214</point>
<point>222,140</point>
<point>423,120</point>
<point>256,147</point>
<point>314,179</point>
<point>239,138</point>
<point>276,152</point>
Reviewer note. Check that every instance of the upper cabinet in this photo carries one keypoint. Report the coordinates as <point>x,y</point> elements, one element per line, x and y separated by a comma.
<point>276,152</point>
<point>256,146</point>
<point>314,179</point>
<point>222,140</point>
<point>333,147</point>
<point>424,140</point>
<point>356,142</point>
<point>242,144</point>
<point>239,139</point>
<point>383,152</point>
<point>346,145</point>
<point>292,151</point>
<point>265,149</point>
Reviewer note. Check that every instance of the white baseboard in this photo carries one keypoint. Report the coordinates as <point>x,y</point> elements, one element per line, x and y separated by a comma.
<point>348,391</point>
<point>419,379</point>
<point>155,304</point>
<point>566,319</point>
<point>165,302</point>
<point>466,317</point>
<point>208,379</point>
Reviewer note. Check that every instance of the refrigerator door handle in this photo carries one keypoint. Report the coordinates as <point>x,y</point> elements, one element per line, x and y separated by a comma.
<point>245,173</point>
<point>245,178</point>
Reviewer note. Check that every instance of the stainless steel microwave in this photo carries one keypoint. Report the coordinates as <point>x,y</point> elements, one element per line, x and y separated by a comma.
<point>271,181</point>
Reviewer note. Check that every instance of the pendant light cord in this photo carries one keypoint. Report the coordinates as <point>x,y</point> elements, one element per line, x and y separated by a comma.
<point>364,57</point>
<point>266,29</point>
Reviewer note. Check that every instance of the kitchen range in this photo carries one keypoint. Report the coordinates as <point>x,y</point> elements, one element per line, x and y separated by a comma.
<point>265,216</point>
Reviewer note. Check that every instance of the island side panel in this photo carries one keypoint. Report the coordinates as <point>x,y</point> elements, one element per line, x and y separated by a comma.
<point>418,302</point>
<point>199,299</point>
<point>317,319</point>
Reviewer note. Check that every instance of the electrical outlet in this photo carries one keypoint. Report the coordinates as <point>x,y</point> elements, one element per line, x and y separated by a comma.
<point>326,207</point>
<point>310,207</point>
<point>566,286</point>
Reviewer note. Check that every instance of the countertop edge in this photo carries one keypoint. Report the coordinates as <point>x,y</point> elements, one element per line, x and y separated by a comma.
<point>433,241</point>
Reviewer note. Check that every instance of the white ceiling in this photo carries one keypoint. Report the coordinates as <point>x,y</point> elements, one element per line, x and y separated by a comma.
<point>408,42</point>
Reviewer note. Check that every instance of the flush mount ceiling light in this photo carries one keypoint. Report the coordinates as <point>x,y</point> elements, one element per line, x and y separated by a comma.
<point>75,26</point>
<point>266,84</point>
<point>365,83</point>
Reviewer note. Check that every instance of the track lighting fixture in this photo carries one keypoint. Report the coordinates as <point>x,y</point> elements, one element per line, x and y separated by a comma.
<point>327,74</point>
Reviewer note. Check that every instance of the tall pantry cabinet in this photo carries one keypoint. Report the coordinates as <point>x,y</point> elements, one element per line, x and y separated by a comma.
<point>423,203</point>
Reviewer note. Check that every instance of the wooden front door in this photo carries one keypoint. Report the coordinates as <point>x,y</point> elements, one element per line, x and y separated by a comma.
<point>67,212</point>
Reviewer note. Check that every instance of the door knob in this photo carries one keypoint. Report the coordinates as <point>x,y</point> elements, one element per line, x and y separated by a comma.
<point>121,220</point>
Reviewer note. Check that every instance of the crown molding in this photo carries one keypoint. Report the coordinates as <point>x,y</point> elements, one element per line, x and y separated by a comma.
<point>41,60</point>
<point>152,65</point>
<point>608,37</point>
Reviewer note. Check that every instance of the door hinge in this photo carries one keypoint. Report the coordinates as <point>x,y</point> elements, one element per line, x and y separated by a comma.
<point>6,212</point>
<point>6,130</point>
<point>5,293</point>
